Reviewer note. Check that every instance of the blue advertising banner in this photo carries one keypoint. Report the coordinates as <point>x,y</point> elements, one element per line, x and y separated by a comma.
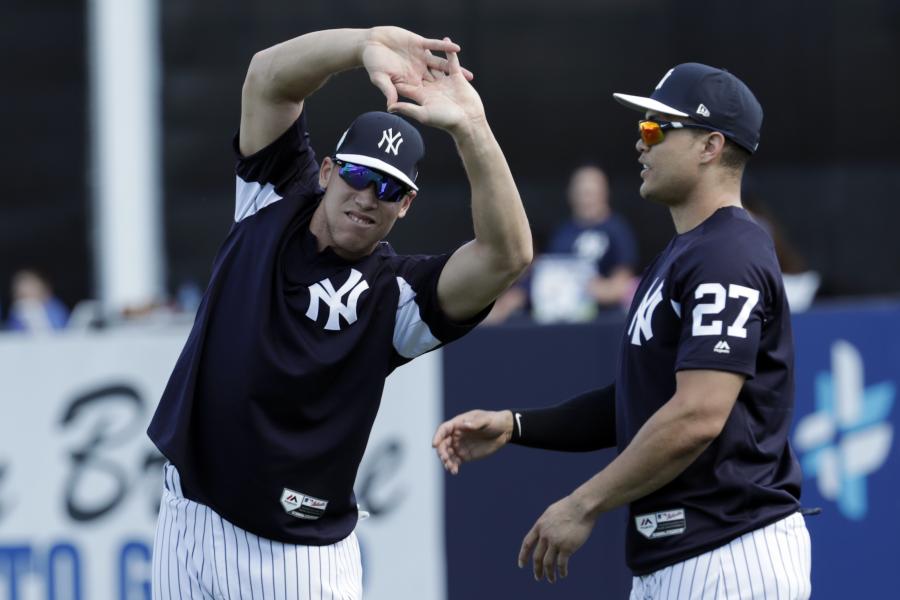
<point>847,376</point>
<point>848,373</point>
<point>492,504</point>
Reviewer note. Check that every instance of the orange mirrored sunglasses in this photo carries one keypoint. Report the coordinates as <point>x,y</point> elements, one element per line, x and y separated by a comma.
<point>653,132</point>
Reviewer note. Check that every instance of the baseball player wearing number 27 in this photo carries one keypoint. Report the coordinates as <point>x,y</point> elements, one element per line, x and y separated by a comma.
<point>703,398</point>
<point>268,410</point>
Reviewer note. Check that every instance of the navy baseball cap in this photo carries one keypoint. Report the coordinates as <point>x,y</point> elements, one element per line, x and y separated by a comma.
<point>709,96</point>
<point>384,142</point>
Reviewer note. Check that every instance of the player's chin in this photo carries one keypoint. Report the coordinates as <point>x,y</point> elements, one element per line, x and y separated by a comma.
<point>646,190</point>
<point>357,243</point>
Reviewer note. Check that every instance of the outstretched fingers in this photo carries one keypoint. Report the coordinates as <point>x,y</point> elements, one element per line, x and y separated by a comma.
<point>549,563</point>
<point>563,561</point>
<point>444,45</point>
<point>444,431</point>
<point>453,67</point>
<point>414,92</point>
<point>437,63</point>
<point>445,65</point>
<point>383,82</point>
<point>527,546</point>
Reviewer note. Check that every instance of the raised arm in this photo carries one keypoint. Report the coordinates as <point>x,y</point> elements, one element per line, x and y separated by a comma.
<point>480,270</point>
<point>281,77</point>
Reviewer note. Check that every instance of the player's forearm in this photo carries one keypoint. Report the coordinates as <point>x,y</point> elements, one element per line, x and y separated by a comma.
<point>292,70</point>
<point>581,424</point>
<point>663,448</point>
<point>501,226</point>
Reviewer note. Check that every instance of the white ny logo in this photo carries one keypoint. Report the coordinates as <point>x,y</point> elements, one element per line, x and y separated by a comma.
<point>663,80</point>
<point>324,292</point>
<point>388,136</point>
<point>641,322</point>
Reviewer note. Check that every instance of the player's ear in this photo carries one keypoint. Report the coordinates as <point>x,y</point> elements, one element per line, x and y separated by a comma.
<point>406,203</point>
<point>325,171</point>
<point>713,144</point>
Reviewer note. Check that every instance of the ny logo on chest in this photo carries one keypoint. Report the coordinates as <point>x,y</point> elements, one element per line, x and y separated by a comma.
<point>324,292</point>
<point>642,321</point>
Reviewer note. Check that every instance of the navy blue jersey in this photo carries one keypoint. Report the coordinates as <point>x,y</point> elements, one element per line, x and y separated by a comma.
<point>713,299</point>
<point>609,244</point>
<point>270,405</point>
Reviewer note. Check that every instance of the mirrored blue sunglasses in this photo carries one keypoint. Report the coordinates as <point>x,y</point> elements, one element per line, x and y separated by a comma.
<point>387,188</point>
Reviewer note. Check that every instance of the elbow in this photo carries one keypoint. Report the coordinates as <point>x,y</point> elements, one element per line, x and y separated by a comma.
<point>258,73</point>
<point>518,257</point>
<point>521,258</point>
<point>701,436</point>
<point>514,262</point>
<point>699,431</point>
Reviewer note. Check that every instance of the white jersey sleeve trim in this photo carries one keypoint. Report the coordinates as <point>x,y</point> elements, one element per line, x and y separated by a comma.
<point>676,306</point>
<point>412,336</point>
<point>251,197</point>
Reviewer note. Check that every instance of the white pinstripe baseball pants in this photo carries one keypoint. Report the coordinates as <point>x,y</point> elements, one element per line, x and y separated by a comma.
<point>771,563</point>
<point>198,554</point>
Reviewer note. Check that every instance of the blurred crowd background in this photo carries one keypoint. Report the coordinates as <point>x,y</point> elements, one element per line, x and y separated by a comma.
<point>825,179</point>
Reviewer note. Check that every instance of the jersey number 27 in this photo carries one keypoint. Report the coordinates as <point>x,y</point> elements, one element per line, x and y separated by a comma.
<point>717,291</point>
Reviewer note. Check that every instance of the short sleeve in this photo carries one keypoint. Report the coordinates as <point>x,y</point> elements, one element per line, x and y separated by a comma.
<point>287,165</point>
<point>421,324</point>
<point>721,295</point>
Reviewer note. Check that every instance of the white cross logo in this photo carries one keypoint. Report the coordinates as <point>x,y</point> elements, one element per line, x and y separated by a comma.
<point>324,292</point>
<point>641,322</point>
<point>388,136</point>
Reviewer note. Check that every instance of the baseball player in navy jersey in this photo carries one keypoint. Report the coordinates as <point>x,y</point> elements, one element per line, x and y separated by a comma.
<point>267,412</point>
<point>703,399</point>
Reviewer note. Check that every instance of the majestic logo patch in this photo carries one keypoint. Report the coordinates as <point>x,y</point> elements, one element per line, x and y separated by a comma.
<point>641,322</point>
<point>661,524</point>
<point>393,141</point>
<point>324,292</point>
<point>722,347</point>
<point>302,506</point>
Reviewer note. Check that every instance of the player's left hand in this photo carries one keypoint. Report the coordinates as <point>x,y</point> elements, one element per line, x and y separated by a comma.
<point>442,99</point>
<point>555,537</point>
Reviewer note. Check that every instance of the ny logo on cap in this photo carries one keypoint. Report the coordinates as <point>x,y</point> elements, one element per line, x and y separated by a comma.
<point>393,141</point>
<point>663,80</point>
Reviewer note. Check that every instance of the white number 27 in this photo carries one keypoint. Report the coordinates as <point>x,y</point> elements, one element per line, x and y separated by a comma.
<point>717,291</point>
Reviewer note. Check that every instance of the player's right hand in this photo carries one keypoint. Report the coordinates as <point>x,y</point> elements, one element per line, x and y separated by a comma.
<point>472,435</point>
<point>394,56</point>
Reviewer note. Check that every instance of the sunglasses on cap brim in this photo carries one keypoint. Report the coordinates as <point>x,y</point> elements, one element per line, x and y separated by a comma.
<point>653,131</point>
<point>359,177</point>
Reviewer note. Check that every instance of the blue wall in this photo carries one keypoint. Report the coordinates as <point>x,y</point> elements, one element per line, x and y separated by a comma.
<point>846,380</point>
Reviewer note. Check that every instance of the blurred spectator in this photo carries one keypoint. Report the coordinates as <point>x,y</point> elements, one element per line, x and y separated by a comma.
<point>34,308</point>
<point>801,284</point>
<point>589,265</point>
